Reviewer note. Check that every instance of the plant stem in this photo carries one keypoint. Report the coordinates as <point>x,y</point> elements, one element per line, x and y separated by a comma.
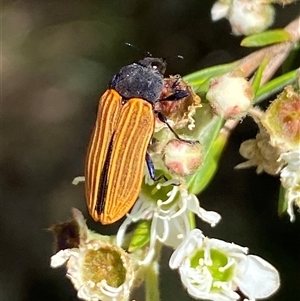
<point>152,283</point>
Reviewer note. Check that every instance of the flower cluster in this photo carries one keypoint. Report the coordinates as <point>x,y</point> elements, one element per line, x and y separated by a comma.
<point>108,268</point>
<point>169,216</point>
<point>276,149</point>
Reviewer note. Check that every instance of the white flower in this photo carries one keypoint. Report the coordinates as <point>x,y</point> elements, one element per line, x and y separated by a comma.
<point>212,269</point>
<point>98,269</point>
<point>261,153</point>
<point>245,16</point>
<point>290,179</point>
<point>170,218</point>
<point>248,16</point>
<point>290,174</point>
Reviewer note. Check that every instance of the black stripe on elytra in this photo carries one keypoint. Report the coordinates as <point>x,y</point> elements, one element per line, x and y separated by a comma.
<point>103,179</point>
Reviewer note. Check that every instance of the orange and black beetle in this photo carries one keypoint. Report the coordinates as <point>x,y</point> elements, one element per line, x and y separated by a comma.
<point>123,130</point>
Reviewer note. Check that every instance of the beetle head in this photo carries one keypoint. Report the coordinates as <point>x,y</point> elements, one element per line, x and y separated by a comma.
<point>157,64</point>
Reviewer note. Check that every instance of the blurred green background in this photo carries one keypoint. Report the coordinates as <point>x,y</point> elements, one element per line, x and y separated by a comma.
<point>57,59</point>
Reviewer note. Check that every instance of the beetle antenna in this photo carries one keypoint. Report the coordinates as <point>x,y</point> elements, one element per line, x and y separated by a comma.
<point>174,57</point>
<point>145,53</point>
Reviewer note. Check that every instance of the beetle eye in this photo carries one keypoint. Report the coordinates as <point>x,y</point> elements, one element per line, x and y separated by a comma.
<point>155,66</point>
<point>158,67</point>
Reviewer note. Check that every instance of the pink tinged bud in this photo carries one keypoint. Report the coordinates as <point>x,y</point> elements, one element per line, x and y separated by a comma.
<point>182,158</point>
<point>282,120</point>
<point>248,17</point>
<point>230,96</point>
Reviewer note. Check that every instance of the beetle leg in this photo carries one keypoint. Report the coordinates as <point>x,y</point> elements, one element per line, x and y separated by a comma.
<point>151,170</point>
<point>164,119</point>
<point>175,84</point>
<point>177,95</point>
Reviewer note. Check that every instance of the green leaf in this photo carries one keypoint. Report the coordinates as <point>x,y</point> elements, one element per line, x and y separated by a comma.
<point>282,202</point>
<point>258,75</point>
<point>141,236</point>
<point>206,131</point>
<point>275,85</point>
<point>207,127</point>
<point>291,59</point>
<point>266,38</point>
<point>200,80</point>
<point>204,175</point>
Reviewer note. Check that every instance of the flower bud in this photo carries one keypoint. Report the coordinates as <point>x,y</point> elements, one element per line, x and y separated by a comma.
<point>282,120</point>
<point>247,17</point>
<point>182,158</point>
<point>230,95</point>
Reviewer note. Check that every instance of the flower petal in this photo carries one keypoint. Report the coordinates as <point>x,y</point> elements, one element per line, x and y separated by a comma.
<point>60,258</point>
<point>176,229</point>
<point>210,217</point>
<point>257,278</point>
<point>228,247</point>
<point>219,10</point>
<point>193,240</point>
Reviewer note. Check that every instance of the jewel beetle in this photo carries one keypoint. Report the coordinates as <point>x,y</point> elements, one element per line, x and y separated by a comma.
<point>124,127</point>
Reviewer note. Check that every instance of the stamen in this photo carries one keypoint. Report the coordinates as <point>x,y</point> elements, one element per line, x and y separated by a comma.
<point>290,210</point>
<point>166,231</point>
<point>170,182</point>
<point>182,208</point>
<point>122,231</point>
<point>153,236</point>
<point>228,265</point>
